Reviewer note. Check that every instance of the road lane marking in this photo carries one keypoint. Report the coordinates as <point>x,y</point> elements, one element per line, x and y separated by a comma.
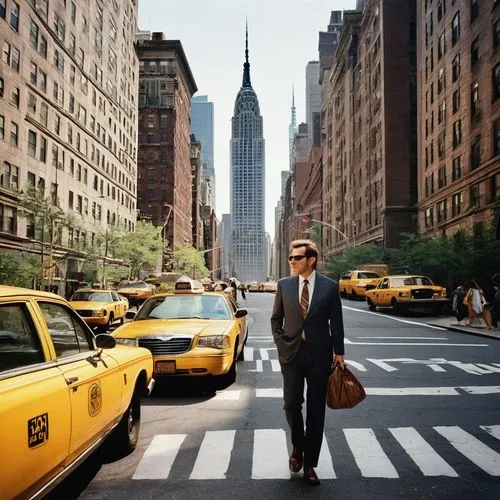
<point>214,456</point>
<point>248,353</point>
<point>403,391</point>
<point>270,455</point>
<point>368,454</point>
<point>356,365</point>
<point>494,430</point>
<point>473,449</point>
<point>226,396</point>
<point>259,367</point>
<point>159,457</point>
<point>325,464</point>
<point>275,365</point>
<point>350,342</point>
<point>406,338</point>
<point>420,451</point>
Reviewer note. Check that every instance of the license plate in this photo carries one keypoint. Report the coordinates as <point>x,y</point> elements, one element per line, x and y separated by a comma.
<point>165,367</point>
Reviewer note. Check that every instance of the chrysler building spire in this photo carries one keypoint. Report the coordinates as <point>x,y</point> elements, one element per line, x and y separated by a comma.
<point>246,66</point>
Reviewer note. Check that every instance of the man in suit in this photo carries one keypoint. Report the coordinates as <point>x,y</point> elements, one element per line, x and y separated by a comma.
<point>307,328</point>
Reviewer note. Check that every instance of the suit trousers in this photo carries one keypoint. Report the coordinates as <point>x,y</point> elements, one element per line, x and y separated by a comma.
<point>304,367</point>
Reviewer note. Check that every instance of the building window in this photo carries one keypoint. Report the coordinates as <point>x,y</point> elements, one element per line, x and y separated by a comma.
<point>455,68</point>
<point>43,149</point>
<point>474,100</point>
<point>495,188</point>
<point>14,133</point>
<point>496,34</point>
<point>32,143</point>
<point>456,204</point>
<point>440,10</point>
<point>456,101</point>
<point>496,82</point>
<point>10,177</point>
<point>44,111</point>
<point>474,10</point>
<point>474,52</point>
<point>475,152</point>
<point>59,27</point>
<point>59,61</point>
<point>441,145</point>
<point>31,103</point>
<point>442,112</point>
<point>455,29</point>
<point>496,137</point>
<point>14,15</point>
<point>441,46</point>
<point>442,177</point>
<point>3,8</point>
<point>441,81</point>
<point>70,200</point>
<point>474,197</point>
<point>2,86</point>
<point>429,217</point>
<point>8,216</point>
<point>441,211</point>
<point>457,133</point>
<point>456,172</point>
<point>14,97</point>
<point>2,127</point>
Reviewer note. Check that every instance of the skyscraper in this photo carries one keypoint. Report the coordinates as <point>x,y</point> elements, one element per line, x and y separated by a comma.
<point>292,129</point>
<point>249,247</point>
<point>313,103</point>
<point>202,125</point>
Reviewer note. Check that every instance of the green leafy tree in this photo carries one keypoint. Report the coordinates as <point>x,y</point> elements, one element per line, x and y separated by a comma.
<point>354,257</point>
<point>8,268</point>
<point>15,271</point>
<point>189,261</point>
<point>139,249</point>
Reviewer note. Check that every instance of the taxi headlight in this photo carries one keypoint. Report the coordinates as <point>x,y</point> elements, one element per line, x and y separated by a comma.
<point>98,313</point>
<point>129,342</point>
<point>215,341</point>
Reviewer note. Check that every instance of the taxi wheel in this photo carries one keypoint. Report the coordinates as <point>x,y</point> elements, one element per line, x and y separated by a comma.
<point>110,321</point>
<point>354,295</point>
<point>371,305</point>
<point>124,438</point>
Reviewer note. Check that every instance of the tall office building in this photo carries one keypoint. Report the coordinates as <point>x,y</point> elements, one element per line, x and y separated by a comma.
<point>292,129</point>
<point>313,103</point>
<point>249,244</point>
<point>202,125</point>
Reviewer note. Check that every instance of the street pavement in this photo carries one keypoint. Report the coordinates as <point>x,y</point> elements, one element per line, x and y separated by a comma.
<point>429,427</point>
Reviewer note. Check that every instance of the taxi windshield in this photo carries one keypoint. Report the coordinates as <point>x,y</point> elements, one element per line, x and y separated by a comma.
<point>367,275</point>
<point>412,280</point>
<point>185,307</point>
<point>136,284</point>
<point>92,296</point>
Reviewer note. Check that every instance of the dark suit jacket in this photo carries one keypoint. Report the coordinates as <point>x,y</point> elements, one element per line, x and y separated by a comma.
<point>323,325</point>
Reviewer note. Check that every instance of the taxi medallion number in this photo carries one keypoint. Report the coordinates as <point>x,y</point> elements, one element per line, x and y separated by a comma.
<point>166,367</point>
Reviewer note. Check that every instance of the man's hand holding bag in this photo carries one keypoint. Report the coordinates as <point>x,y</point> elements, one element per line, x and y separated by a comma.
<point>344,389</point>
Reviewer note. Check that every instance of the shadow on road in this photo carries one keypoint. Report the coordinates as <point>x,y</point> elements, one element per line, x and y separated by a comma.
<point>180,392</point>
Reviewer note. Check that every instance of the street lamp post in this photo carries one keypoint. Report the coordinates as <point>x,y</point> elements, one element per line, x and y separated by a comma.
<point>308,218</point>
<point>159,266</point>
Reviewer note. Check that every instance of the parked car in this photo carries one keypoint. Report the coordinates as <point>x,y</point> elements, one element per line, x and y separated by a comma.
<point>99,308</point>
<point>354,284</point>
<point>190,331</point>
<point>404,291</point>
<point>136,292</point>
<point>63,391</point>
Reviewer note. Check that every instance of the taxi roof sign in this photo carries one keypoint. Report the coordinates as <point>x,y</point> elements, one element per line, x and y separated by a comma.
<point>187,285</point>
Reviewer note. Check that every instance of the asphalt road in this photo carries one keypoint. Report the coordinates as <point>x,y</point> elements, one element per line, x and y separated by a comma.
<point>429,428</point>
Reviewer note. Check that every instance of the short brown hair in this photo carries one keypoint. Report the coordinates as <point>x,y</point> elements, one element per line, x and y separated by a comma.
<point>309,245</point>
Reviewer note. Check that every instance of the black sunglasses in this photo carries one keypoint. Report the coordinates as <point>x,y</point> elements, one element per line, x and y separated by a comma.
<point>296,257</point>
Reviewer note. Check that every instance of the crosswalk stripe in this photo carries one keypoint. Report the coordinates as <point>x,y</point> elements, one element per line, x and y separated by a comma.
<point>469,446</point>
<point>159,457</point>
<point>248,353</point>
<point>494,430</point>
<point>275,365</point>
<point>270,455</point>
<point>213,458</point>
<point>325,466</point>
<point>368,454</point>
<point>424,456</point>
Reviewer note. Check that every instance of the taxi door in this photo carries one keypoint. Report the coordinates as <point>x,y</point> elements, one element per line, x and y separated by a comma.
<point>119,306</point>
<point>35,411</point>
<point>93,380</point>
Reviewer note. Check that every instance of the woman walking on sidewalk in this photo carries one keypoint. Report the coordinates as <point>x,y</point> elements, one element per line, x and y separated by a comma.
<point>475,302</point>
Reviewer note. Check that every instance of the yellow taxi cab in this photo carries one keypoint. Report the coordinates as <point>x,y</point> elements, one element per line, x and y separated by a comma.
<point>136,292</point>
<point>190,332</point>
<point>354,284</point>
<point>99,308</point>
<point>404,291</point>
<point>63,391</point>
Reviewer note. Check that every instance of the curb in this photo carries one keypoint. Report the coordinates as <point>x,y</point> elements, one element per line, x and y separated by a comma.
<point>487,333</point>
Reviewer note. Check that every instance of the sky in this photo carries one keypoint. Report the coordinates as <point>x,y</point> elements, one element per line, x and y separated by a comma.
<point>283,38</point>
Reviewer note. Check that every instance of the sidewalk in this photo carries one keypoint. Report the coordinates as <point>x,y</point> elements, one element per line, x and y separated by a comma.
<point>450,323</point>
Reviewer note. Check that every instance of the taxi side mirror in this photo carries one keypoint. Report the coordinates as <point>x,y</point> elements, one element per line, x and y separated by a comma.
<point>105,341</point>
<point>130,314</point>
<point>240,313</point>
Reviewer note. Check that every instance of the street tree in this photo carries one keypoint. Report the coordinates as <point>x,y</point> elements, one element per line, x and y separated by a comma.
<point>189,261</point>
<point>140,249</point>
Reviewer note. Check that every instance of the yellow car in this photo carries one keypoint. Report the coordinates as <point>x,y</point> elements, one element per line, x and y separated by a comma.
<point>63,391</point>
<point>136,292</point>
<point>404,291</point>
<point>354,284</point>
<point>190,332</point>
<point>99,308</point>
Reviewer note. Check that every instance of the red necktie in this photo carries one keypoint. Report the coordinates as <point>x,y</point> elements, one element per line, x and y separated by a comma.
<point>304,299</point>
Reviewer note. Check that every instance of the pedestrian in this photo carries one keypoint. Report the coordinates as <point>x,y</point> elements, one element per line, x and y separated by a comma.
<point>231,289</point>
<point>458,306</point>
<point>496,305</point>
<point>476,305</point>
<point>307,327</point>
